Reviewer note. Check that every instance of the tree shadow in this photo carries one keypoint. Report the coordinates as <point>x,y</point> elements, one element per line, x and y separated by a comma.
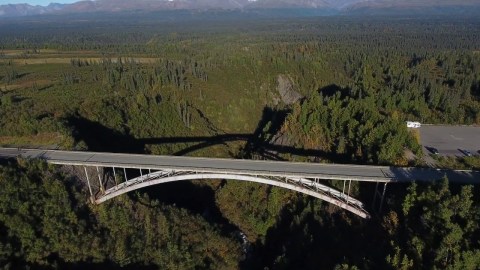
<point>104,265</point>
<point>332,89</point>
<point>475,89</point>
<point>21,75</point>
<point>45,87</point>
<point>18,99</point>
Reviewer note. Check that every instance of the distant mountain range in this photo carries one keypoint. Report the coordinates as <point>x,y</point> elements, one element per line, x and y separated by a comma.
<point>339,6</point>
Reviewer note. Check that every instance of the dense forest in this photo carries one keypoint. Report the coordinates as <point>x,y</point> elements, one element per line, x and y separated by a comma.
<point>333,89</point>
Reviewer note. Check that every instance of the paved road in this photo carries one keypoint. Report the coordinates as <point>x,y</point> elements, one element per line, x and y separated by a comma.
<point>449,139</point>
<point>244,167</point>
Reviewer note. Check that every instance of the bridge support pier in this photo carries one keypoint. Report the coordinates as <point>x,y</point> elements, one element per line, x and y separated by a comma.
<point>100,182</point>
<point>92,198</point>
<point>383,197</point>
<point>115,178</point>
<point>375,195</point>
<point>349,186</point>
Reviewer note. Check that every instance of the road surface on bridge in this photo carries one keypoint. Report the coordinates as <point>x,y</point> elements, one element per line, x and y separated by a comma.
<point>244,167</point>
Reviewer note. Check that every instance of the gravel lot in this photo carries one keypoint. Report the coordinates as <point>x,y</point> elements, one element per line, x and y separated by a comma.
<point>449,139</point>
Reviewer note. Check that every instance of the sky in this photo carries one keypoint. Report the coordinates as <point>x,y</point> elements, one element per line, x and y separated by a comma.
<point>36,2</point>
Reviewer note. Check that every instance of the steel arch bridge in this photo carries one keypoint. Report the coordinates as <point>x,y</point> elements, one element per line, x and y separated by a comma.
<point>306,178</point>
<point>311,187</point>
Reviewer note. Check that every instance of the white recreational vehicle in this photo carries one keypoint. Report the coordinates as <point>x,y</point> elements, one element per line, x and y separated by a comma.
<point>411,124</point>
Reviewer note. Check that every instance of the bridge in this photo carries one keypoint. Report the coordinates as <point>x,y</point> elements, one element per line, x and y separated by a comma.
<point>306,178</point>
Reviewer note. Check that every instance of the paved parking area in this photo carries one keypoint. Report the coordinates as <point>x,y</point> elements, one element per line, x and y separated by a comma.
<point>449,139</point>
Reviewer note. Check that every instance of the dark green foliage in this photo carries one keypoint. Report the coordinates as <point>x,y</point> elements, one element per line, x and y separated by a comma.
<point>45,220</point>
<point>350,126</point>
<point>39,217</point>
<point>70,78</point>
<point>435,229</point>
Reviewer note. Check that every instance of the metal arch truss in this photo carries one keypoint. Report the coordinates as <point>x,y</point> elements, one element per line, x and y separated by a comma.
<point>310,187</point>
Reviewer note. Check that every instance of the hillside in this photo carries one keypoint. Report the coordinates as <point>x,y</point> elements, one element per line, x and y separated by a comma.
<point>410,7</point>
<point>341,6</point>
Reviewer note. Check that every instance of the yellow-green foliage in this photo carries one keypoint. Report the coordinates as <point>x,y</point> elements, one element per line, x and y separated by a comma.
<point>254,208</point>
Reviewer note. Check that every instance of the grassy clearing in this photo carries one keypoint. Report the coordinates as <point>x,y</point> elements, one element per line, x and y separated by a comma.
<point>67,60</point>
<point>416,135</point>
<point>241,95</point>
<point>52,140</point>
<point>49,56</point>
<point>40,84</point>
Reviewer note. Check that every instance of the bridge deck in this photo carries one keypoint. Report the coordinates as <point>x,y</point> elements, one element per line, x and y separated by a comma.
<point>244,167</point>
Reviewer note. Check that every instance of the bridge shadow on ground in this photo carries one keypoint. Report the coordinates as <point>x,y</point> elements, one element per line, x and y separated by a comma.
<point>100,138</point>
<point>431,175</point>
